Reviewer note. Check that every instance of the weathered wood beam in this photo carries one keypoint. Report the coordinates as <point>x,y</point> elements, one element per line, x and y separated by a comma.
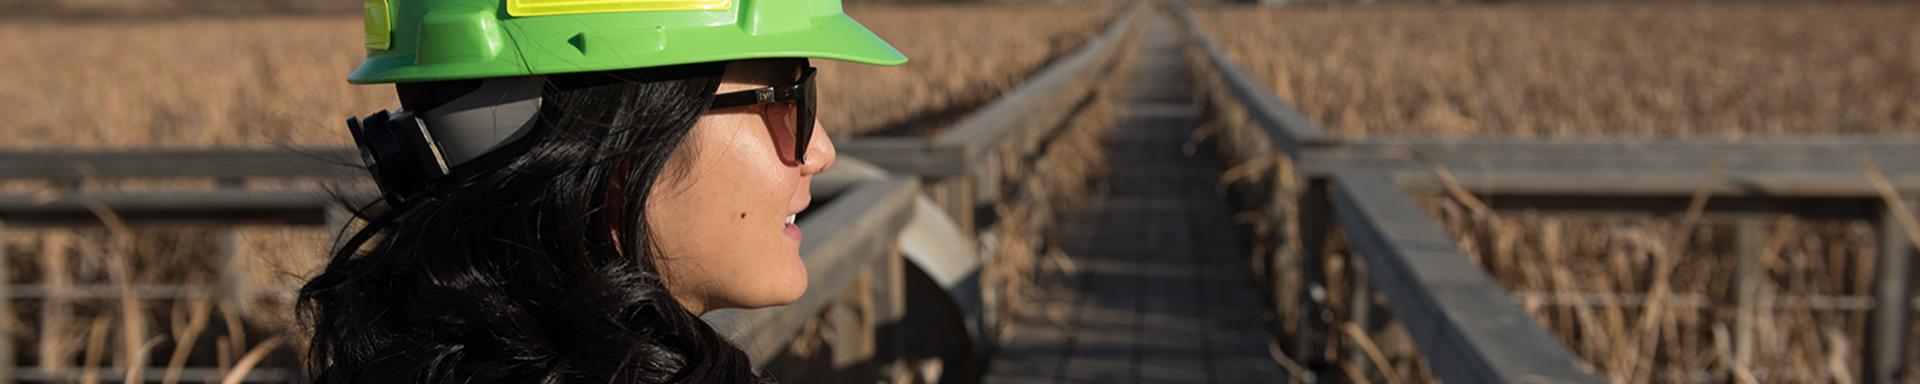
<point>77,165</point>
<point>213,207</point>
<point>1891,329</point>
<point>1466,325</point>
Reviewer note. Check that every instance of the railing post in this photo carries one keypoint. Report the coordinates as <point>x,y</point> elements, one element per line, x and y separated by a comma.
<point>232,279</point>
<point>956,196</point>
<point>849,320</point>
<point>888,291</point>
<point>1316,221</point>
<point>1893,289</point>
<point>1750,236</point>
<point>232,282</point>
<point>1359,310</point>
<point>6,312</point>
<point>56,306</point>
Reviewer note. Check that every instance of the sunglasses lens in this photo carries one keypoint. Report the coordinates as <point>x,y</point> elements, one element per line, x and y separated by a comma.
<point>803,118</point>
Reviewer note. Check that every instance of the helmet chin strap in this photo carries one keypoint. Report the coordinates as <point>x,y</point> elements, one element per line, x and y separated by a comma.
<point>500,111</point>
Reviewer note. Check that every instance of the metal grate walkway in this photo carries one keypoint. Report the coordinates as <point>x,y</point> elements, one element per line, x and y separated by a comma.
<point>1163,293</point>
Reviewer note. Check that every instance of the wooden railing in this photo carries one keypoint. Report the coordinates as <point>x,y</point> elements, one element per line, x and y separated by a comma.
<point>851,238</point>
<point>1467,326</point>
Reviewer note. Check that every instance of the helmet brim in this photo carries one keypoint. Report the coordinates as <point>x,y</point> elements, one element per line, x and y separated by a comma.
<point>836,37</point>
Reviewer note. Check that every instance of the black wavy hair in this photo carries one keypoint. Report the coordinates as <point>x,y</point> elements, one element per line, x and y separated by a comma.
<point>532,264</point>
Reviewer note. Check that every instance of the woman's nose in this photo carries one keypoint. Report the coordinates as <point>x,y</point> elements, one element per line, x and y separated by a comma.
<point>820,152</point>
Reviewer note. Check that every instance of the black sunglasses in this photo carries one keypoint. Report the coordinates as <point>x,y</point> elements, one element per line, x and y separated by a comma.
<point>801,95</point>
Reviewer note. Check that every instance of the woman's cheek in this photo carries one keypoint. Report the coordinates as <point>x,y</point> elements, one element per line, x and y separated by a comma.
<point>775,257</point>
<point>760,265</point>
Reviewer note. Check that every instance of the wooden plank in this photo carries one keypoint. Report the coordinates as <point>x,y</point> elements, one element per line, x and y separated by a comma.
<point>1799,157</point>
<point>216,207</point>
<point>158,374</point>
<point>1104,332</point>
<point>910,156</point>
<point>1695,301</point>
<point>1814,167</point>
<point>1290,131</point>
<point>1630,183</point>
<point>74,165</point>
<point>1463,322</point>
<point>1175,345</point>
<point>1731,207</point>
<point>112,292</point>
<point>1543,156</point>
<point>847,234</point>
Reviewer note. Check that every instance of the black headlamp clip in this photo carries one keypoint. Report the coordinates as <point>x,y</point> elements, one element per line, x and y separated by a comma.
<point>399,152</point>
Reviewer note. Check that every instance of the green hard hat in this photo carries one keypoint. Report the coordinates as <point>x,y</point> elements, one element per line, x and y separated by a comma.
<point>430,40</point>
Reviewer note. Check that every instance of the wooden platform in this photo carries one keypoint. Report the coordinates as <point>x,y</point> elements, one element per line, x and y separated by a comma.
<point>1161,291</point>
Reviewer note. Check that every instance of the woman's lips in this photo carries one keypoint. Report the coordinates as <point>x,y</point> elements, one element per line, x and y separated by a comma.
<point>793,228</point>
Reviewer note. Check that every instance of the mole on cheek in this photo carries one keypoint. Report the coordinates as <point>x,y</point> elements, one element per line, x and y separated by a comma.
<point>743,215</point>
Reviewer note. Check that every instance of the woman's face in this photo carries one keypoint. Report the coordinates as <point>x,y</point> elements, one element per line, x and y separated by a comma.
<point>721,226</point>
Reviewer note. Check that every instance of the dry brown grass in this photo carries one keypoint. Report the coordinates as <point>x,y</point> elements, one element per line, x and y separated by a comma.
<point>1551,263</point>
<point>163,336</point>
<point>1587,69</point>
<point>190,83</point>
<point>279,80</point>
<point>1023,265</point>
<point>958,57</point>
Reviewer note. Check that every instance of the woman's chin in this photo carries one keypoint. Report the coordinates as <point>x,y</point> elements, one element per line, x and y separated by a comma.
<point>787,290</point>
<point>793,291</point>
<point>793,282</point>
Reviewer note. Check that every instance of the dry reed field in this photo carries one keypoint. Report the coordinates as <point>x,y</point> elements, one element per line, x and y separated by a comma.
<point>1639,302</point>
<point>1587,69</point>
<point>1596,282</point>
<point>959,56</point>
<point>185,83</point>
<point>278,81</point>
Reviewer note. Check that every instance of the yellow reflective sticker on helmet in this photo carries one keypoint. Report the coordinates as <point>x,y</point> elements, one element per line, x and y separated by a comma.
<point>379,25</point>
<point>561,7</point>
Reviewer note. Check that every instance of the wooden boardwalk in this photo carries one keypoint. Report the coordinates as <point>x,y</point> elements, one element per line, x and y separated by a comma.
<point>1163,291</point>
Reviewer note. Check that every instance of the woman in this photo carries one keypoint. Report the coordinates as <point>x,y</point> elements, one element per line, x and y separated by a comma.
<point>571,184</point>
